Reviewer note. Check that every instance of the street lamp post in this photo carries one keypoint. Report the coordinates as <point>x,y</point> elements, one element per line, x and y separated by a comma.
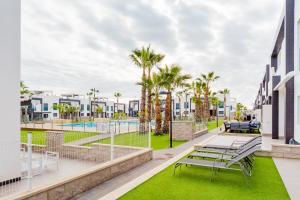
<point>171,118</point>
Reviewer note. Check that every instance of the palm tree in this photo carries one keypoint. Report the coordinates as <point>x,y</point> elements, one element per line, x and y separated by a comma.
<point>215,102</point>
<point>99,110</point>
<point>198,87</point>
<point>157,83</point>
<point>154,59</point>
<point>207,79</point>
<point>172,78</point>
<point>239,108</point>
<point>141,58</point>
<point>225,92</point>
<point>117,95</point>
<point>62,109</point>
<point>92,95</point>
<point>24,89</point>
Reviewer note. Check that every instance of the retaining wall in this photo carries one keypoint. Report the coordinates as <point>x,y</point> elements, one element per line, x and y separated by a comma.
<point>185,130</point>
<point>85,180</point>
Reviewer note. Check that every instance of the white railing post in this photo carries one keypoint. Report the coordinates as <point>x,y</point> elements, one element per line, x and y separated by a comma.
<point>112,141</point>
<point>149,135</point>
<point>29,159</point>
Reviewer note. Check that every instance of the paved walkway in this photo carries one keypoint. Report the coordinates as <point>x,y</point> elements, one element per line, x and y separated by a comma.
<point>159,157</point>
<point>289,172</point>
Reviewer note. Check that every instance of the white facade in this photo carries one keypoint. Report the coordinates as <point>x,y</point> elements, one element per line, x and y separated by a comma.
<point>297,70</point>
<point>43,105</point>
<point>10,83</point>
<point>185,107</point>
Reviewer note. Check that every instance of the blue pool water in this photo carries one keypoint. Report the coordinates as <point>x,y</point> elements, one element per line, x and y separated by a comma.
<point>94,124</point>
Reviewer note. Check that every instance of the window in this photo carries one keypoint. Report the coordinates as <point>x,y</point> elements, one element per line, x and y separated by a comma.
<point>82,107</point>
<point>45,107</point>
<point>107,108</point>
<point>221,105</point>
<point>177,106</point>
<point>54,114</point>
<point>81,114</point>
<point>88,107</point>
<point>45,116</point>
<point>88,114</point>
<point>55,106</point>
<point>112,108</point>
<point>221,112</point>
<point>186,104</point>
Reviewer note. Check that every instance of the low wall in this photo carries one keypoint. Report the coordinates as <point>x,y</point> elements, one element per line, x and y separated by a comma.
<point>283,151</point>
<point>85,180</point>
<point>95,152</point>
<point>185,130</point>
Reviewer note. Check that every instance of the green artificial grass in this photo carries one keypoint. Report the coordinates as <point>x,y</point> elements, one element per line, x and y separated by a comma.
<point>213,124</point>
<point>141,140</point>
<point>39,137</point>
<point>194,183</point>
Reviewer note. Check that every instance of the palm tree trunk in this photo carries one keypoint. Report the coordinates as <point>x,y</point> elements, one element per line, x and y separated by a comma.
<point>143,102</point>
<point>206,104</point>
<point>157,116</point>
<point>225,112</point>
<point>167,114</point>
<point>179,108</point>
<point>149,100</point>
<point>149,106</point>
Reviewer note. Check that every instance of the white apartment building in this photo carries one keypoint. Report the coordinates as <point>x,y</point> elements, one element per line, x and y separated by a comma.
<point>278,99</point>
<point>184,106</point>
<point>42,105</point>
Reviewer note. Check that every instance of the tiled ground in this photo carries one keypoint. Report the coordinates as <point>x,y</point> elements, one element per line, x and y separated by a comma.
<point>289,170</point>
<point>67,167</point>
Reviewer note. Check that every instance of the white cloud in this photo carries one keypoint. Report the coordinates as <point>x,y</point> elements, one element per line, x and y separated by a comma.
<point>76,45</point>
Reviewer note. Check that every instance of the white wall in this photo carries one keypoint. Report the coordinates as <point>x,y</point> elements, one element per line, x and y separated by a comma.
<point>9,82</point>
<point>257,114</point>
<point>267,119</point>
<point>297,69</point>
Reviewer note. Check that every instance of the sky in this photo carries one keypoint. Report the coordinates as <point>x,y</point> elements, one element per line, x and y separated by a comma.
<point>70,46</point>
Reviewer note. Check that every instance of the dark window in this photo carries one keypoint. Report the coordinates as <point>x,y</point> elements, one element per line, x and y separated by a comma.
<point>177,106</point>
<point>88,107</point>
<point>45,107</point>
<point>82,107</point>
<point>88,114</point>
<point>45,115</point>
<point>221,105</point>
<point>55,106</point>
<point>54,114</point>
<point>81,114</point>
<point>112,108</point>
<point>186,104</point>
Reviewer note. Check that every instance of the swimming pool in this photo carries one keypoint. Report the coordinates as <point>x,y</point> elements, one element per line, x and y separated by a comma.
<point>95,124</point>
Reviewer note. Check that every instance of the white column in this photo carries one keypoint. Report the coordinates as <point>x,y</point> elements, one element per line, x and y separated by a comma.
<point>9,87</point>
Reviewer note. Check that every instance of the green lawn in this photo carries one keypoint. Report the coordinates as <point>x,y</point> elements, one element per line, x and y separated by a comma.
<point>39,137</point>
<point>141,140</point>
<point>213,124</point>
<point>194,183</point>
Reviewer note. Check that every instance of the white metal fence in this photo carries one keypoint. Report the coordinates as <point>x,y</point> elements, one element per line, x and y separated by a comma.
<point>49,155</point>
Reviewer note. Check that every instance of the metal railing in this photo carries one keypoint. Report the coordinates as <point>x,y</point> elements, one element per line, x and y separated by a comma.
<point>47,155</point>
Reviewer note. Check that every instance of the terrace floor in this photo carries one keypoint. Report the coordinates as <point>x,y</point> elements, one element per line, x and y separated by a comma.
<point>67,167</point>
